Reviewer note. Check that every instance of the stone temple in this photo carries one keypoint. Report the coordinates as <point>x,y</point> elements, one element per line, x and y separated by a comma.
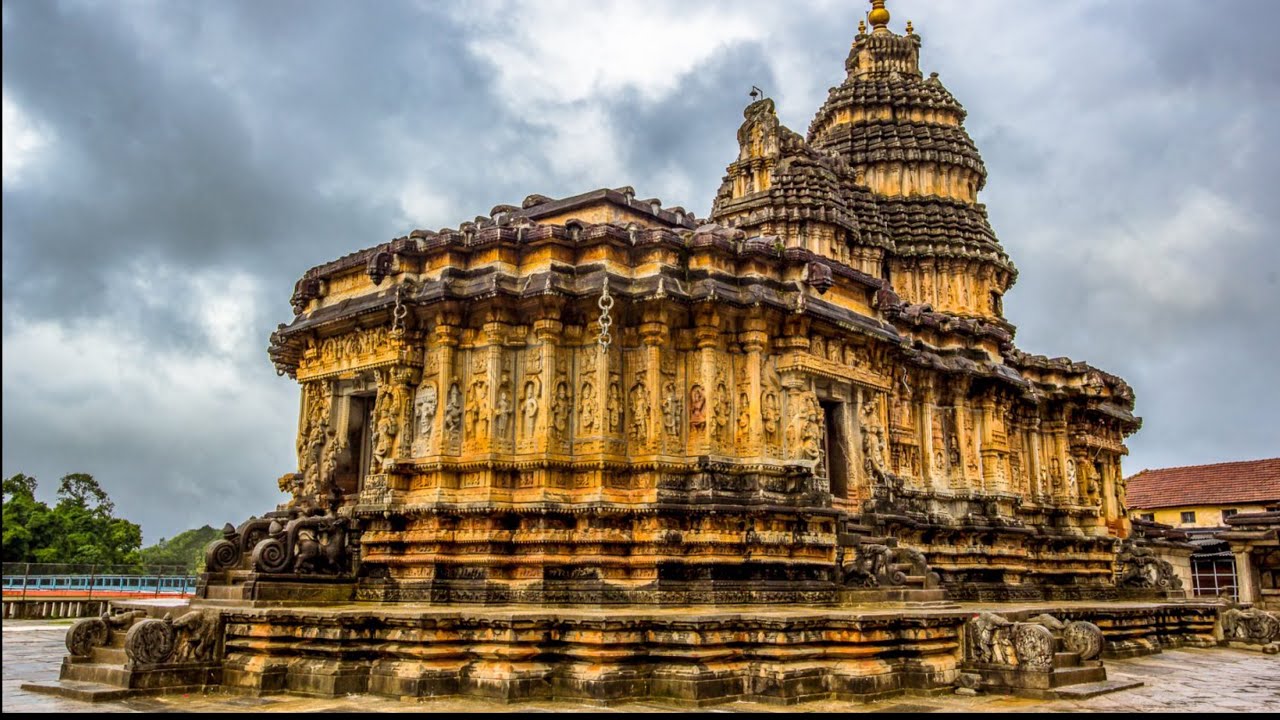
<point>600,448</point>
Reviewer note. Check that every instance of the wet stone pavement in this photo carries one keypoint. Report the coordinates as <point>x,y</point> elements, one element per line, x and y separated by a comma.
<point>1193,680</point>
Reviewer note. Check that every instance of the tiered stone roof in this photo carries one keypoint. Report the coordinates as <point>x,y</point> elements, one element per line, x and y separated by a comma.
<point>887,140</point>
<point>941,227</point>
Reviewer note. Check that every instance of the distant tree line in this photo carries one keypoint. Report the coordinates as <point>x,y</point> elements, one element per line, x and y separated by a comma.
<point>81,528</point>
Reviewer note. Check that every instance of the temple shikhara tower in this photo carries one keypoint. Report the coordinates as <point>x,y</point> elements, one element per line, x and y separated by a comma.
<point>601,447</point>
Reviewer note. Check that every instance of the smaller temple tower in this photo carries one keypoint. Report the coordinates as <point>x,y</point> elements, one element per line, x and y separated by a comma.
<point>903,136</point>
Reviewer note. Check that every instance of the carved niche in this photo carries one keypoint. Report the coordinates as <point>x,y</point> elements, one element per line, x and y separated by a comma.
<point>529,407</point>
<point>671,412</point>
<point>425,406</point>
<point>587,408</point>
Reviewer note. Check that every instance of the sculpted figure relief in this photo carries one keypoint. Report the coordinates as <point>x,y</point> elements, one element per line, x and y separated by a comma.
<point>990,640</point>
<point>587,407</point>
<point>769,415</point>
<point>385,430</point>
<point>811,429</point>
<point>939,444</point>
<point>560,411</point>
<point>453,413</point>
<point>697,408</point>
<point>720,418</point>
<point>315,437</point>
<point>614,408</point>
<point>671,411</point>
<point>424,415</point>
<point>529,409</point>
<point>477,418</point>
<point>640,413</point>
<point>872,438</point>
<point>502,412</point>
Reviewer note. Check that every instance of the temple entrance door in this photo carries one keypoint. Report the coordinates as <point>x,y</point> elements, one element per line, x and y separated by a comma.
<point>359,440</point>
<point>835,448</point>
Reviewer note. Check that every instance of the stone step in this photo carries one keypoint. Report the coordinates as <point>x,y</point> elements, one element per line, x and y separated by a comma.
<point>225,592</point>
<point>102,674</point>
<point>108,656</point>
<point>77,690</point>
<point>1077,675</point>
<point>1066,660</point>
<point>933,604</point>
<point>1085,691</point>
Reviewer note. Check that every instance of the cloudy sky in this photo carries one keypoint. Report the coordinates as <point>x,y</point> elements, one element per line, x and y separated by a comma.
<point>170,169</point>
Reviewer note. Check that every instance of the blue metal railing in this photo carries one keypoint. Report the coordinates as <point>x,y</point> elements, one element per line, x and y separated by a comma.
<point>42,579</point>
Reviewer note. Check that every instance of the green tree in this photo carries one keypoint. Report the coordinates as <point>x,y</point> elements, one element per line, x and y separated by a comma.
<point>28,523</point>
<point>80,528</point>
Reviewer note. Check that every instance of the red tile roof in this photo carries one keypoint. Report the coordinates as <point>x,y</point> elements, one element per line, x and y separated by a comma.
<point>1223,484</point>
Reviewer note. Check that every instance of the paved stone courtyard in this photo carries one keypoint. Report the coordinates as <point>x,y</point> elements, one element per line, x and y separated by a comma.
<point>1216,680</point>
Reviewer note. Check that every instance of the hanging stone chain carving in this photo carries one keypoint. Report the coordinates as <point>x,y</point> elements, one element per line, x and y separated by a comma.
<point>606,322</point>
<point>399,314</point>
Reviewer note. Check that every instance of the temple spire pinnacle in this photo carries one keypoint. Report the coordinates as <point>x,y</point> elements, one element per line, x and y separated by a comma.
<point>878,17</point>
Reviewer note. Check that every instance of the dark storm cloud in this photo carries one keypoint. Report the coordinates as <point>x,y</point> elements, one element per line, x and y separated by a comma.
<point>695,126</point>
<point>200,156</point>
<point>1138,200</point>
<point>215,133</point>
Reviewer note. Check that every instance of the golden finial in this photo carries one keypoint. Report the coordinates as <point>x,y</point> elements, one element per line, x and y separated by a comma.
<point>910,28</point>
<point>879,16</point>
<point>862,27</point>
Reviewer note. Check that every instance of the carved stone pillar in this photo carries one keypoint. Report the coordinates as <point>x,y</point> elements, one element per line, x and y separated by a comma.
<point>702,397</point>
<point>750,418</point>
<point>553,384</point>
<point>994,437</point>
<point>447,335</point>
<point>1056,456</point>
<point>1246,579</point>
<point>645,394</point>
<point>402,381</point>
<point>500,403</point>
<point>1036,464</point>
<point>929,467</point>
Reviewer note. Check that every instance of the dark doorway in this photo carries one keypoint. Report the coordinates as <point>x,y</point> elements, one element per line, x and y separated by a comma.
<point>353,464</point>
<point>835,451</point>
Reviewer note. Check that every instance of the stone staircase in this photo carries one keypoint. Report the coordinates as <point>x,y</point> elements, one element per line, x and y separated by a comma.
<point>1041,658</point>
<point>133,653</point>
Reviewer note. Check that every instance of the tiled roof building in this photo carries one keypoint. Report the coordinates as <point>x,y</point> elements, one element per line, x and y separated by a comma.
<point>1256,481</point>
